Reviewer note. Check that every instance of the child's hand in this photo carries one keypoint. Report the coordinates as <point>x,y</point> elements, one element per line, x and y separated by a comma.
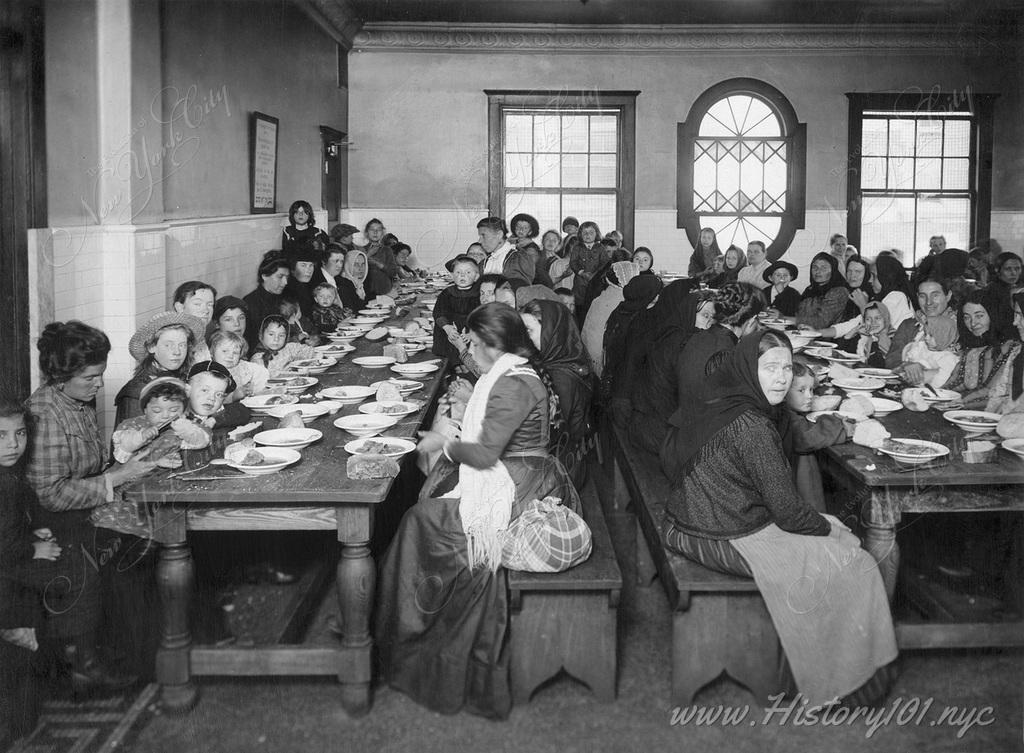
<point>460,390</point>
<point>23,637</point>
<point>43,534</point>
<point>45,550</point>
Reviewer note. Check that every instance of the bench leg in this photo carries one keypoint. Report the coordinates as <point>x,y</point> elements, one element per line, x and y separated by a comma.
<point>553,631</point>
<point>646,570</point>
<point>754,652</point>
<point>697,655</point>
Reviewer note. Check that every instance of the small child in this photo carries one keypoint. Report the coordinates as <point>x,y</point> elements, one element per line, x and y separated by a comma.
<point>403,252</point>
<point>875,335</point>
<point>453,306</point>
<point>229,349</point>
<point>327,310</point>
<point>208,384</point>
<point>163,402</point>
<point>809,437</point>
<point>274,352</point>
<point>300,328</point>
<point>24,574</point>
<point>782,300</point>
<point>566,296</point>
<point>932,347</point>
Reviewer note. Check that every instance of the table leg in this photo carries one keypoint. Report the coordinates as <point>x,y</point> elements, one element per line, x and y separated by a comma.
<point>357,580</point>
<point>175,572</point>
<point>880,521</point>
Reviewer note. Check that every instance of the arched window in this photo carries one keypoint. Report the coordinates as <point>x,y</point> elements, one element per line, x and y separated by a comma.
<point>741,166</point>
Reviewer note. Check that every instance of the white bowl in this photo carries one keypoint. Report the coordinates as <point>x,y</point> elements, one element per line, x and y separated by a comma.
<point>293,385</point>
<point>296,439</point>
<point>349,394</point>
<point>396,331</point>
<point>858,384</point>
<point>373,362</point>
<point>275,458</point>
<point>394,447</point>
<point>927,451</point>
<point>415,369</point>
<point>1016,446</point>
<point>317,365</point>
<point>258,403</point>
<point>886,375</point>
<point>855,417</point>
<point>337,350</point>
<point>389,408</point>
<point>365,426</point>
<point>310,411</point>
<point>362,321</point>
<point>973,421</point>
<point>943,396</point>
<point>375,312</point>
<point>884,407</point>
<point>405,386</point>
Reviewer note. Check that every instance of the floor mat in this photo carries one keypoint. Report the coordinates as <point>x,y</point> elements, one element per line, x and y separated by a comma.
<point>99,725</point>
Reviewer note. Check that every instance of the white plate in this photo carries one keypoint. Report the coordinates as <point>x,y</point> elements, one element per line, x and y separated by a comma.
<point>396,332</point>
<point>258,403</point>
<point>294,438</point>
<point>373,362</point>
<point>973,421</point>
<point>944,396</point>
<point>857,417</point>
<point>396,447</point>
<point>415,369</point>
<point>375,312</point>
<point>335,350</point>
<point>365,426</point>
<point>293,385</point>
<point>365,320</point>
<point>348,395</point>
<point>275,458</point>
<point>859,384</point>
<point>930,451</point>
<point>1016,446</point>
<point>811,333</point>
<point>310,411</point>
<point>884,407</point>
<point>397,409</point>
<point>887,375</point>
<point>824,344</point>
<point>313,365</point>
<point>411,348</point>
<point>405,386</point>
<point>839,356</point>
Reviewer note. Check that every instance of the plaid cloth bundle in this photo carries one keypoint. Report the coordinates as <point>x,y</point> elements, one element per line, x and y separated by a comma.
<point>547,538</point>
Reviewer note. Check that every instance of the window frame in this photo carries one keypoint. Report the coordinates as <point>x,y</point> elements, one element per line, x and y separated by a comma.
<point>623,101</point>
<point>936,103</point>
<point>794,133</point>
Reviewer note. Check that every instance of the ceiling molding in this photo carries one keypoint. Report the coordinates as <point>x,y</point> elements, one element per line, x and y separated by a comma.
<point>889,38</point>
<point>336,17</point>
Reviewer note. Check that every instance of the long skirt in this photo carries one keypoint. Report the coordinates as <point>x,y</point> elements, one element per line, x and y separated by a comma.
<point>440,627</point>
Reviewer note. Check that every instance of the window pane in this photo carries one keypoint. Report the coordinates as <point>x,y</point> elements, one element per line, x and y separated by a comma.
<point>901,173</point>
<point>599,208</point>
<point>761,121</point>
<point>718,120</point>
<point>518,169</point>
<point>603,133</point>
<point>546,170</point>
<point>887,222</point>
<point>901,138</point>
<point>703,179</point>
<point>955,175</point>
<point>518,133</point>
<point>874,137</point>
<point>741,230</point>
<point>872,172</point>
<point>546,136</point>
<point>957,138</point>
<point>574,133</point>
<point>775,180</point>
<point>574,170</point>
<point>544,206</point>
<point>943,216</point>
<point>929,138</point>
<point>602,171</point>
<point>928,174</point>
<point>729,169</point>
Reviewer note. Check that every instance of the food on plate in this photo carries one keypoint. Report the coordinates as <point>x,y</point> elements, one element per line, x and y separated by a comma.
<point>391,409</point>
<point>274,400</point>
<point>913,399</point>
<point>396,351</point>
<point>413,328</point>
<point>388,392</point>
<point>905,448</point>
<point>253,457</point>
<point>236,452</point>
<point>292,420</point>
<point>376,333</point>
<point>376,447</point>
<point>858,404</point>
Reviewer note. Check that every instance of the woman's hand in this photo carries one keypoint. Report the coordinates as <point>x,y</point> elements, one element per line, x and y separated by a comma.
<point>460,390</point>
<point>860,298</point>
<point>45,550</point>
<point>911,372</point>
<point>125,473</point>
<point>430,441</point>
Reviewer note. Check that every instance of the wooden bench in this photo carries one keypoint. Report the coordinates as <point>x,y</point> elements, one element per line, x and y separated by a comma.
<point>719,621</point>
<point>568,620</point>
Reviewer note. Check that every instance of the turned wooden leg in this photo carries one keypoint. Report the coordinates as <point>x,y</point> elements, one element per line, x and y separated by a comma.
<point>880,542</point>
<point>356,586</point>
<point>175,572</point>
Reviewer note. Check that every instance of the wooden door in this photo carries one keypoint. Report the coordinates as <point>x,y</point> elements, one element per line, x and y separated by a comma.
<point>332,174</point>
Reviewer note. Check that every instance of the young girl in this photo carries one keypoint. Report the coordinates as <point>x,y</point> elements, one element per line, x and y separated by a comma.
<point>809,437</point>
<point>933,348</point>
<point>644,259</point>
<point>24,573</point>
<point>229,349</point>
<point>274,352</point>
<point>875,335</point>
<point>300,329</point>
<point>301,230</point>
<point>144,437</point>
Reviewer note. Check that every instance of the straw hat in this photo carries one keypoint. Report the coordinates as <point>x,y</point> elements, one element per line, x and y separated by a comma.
<point>146,333</point>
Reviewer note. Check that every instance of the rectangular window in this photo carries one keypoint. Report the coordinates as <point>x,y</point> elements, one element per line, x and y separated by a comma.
<point>918,171</point>
<point>563,155</point>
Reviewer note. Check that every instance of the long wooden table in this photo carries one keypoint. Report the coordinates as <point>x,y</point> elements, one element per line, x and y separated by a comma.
<point>314,494</point>
<point>878,491</point>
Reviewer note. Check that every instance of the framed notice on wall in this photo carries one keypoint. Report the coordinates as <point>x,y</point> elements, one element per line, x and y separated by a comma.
<point>262,164</point>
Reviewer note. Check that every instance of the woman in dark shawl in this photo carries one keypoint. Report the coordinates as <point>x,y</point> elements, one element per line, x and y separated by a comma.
<point>638,296</point>
<point>734,508</point>
<point>565,359</point>
<point>824,300</point>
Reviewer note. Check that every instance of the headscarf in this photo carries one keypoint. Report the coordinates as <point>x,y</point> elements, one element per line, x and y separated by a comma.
<point>817,290</point>
<point>885,336</point>
<point>999,330</point>
<point>565,359</point>
<point>676,309</point>
<point>637,296</point>
<point>942,331</point>
<point>736,389</point>
<point>529,293</point>
<point>623,272</point>
<point>348,274</point>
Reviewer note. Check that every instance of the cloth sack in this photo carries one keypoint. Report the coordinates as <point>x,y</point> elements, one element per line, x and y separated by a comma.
<point>547,537</point>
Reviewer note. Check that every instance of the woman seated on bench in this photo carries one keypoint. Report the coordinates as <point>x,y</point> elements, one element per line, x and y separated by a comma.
<point>735,509</point>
